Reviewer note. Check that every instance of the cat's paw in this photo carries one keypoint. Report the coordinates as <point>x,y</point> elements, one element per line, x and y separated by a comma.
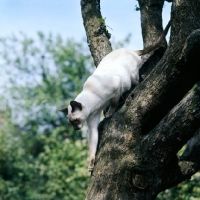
<point>91,165</point>
<point>108,114</point>
<point>90,169</point>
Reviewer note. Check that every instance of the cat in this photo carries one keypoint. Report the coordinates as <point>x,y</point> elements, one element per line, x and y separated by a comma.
<point>117,73</point>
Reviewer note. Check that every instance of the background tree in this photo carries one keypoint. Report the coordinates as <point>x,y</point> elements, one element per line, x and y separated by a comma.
<point>137,151</point>
<point>41,156</point>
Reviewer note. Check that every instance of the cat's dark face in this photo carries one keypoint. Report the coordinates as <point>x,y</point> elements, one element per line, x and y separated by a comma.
<point>75,113</point>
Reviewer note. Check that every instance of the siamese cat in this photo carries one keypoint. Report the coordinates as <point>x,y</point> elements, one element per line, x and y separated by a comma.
<point>117,73</point>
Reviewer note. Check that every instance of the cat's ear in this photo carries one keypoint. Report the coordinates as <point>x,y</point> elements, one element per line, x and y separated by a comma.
<point>64,110</point>
<point>75,105</point>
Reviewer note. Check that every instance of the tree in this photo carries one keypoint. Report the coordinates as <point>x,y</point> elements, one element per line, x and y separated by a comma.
<point>138,146</point>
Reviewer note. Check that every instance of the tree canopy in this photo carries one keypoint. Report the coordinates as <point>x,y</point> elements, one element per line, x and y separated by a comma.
<point>41,156</point>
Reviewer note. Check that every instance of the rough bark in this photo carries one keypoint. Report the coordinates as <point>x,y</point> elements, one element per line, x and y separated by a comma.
<point>95,27</point>
<point>192,151</point>
<point>151,166</point>
<point>151,31</point>
<point>165,140</point>
<point>188,164</point>
<point>120,171</point>
<point>131,163</point>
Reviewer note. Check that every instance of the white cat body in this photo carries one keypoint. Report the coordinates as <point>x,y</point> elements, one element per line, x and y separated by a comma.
<point>116,74</point>
<point>122,63</point>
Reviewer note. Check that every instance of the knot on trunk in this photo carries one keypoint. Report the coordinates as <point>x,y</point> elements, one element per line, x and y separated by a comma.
<point>140,181</point>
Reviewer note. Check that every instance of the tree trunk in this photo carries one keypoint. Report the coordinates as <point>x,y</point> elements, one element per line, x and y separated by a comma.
<point>136,156</point>
<point>97,35</point>
<point>151,24</point>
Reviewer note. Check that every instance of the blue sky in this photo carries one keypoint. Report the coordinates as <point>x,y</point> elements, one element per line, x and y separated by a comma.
<point>64,17</point>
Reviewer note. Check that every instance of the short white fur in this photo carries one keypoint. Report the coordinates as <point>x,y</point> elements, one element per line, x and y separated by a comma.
<point>116,74</point>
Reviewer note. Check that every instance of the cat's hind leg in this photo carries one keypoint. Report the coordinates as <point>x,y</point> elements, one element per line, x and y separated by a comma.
<point>113,105</point>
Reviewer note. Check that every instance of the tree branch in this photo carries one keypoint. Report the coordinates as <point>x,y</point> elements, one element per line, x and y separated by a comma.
<point>167,138</point>
<point>95,27</point>
<point>151,24</point>
<point>188,165</point>
<point>151,20</point>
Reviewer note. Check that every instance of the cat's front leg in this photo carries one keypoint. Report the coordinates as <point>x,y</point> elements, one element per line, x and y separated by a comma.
<point>93,142</point>
<point>92,122</point>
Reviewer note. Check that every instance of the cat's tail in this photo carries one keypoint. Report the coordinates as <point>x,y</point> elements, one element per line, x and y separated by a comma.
<point>156,44</point>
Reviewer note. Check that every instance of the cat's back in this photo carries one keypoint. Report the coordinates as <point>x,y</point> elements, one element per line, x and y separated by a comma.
<point>118,61</point>
<point>119,69</point>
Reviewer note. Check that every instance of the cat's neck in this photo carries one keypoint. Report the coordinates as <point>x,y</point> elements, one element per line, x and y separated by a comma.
<point>90,101</point>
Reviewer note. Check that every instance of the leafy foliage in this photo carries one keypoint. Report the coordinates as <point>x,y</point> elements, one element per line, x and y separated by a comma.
<point>187,190</point>
<point>42,76</point>
<point>103,21</point>
<point>41,157</point>
<point>58,172</point>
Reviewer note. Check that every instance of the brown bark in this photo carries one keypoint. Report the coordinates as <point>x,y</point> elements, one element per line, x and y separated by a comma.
<point>131,163</point>
<point>188,165</point>
<point>151,20</point>
<point>165,140</point>
<point>97,35</point>
<point>151,24</point>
